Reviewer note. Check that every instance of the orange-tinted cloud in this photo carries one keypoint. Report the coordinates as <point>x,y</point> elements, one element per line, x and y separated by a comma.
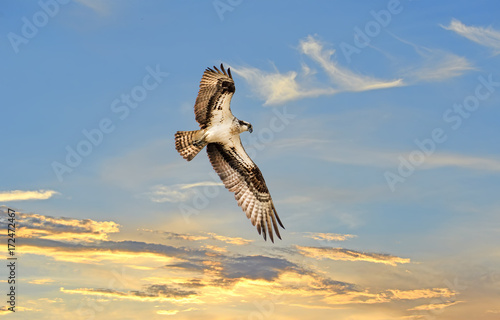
<point>150,293</point>
<point>206,274</point>
<point>329,236</point>
<point>350,255</point>
<point>190,237</point>
<point>22,195</point>
<point>64,229</point>
<point>41,281</point>
<point>434,306</point>
<point>230,240</point>
<point>367,297</point>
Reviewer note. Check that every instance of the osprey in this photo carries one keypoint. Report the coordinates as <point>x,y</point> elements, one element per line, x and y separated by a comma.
<point>220,133</point>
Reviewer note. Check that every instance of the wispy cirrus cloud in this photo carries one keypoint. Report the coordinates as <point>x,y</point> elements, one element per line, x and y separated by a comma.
<point>41,281</point>
<point>176,236</point>
<point>435,306</point>
<point>100,7</point>
<point>367,297</point>
<point>364,155</point>
<point>197,237</point>
<point>462,161</point>
<point>23,195</point>
<point>177,192</point>
<point>328,236</point>
<point>350,255</point>
<point>150,293</point>
<point>487,37</point>
<point>341,77</point>
<point>434,64</point>
<point>275,87</point>
<point>437,65</point>
<point>230,240</point>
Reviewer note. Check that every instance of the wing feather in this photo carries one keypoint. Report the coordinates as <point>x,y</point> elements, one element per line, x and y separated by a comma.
<point>241,176</point>
<point>214,96</point>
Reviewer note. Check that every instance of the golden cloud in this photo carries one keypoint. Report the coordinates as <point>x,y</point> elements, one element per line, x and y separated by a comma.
<point>152,293</point>
<point>21,195</point>
<point>41,281</point>
<point>420,293</point>
<point>367,297</point>
<point>350,255</point>
<point>95,255</point>
<point>167,312</point>
<point>176,236</point>
<point>64,229</point>
<point>329,236</point>
<point>230,240</point>
<point>435,306</point>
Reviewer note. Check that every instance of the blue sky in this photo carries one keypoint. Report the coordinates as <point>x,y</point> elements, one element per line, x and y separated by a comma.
<point>375,126</point>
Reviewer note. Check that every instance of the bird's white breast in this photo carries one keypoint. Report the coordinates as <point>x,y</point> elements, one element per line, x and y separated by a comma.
<point>221,132</point>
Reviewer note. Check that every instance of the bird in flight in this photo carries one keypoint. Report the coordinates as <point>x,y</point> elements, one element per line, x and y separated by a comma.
<point>220,133</point>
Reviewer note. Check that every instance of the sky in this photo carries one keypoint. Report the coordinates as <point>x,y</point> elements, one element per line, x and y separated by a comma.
<point>375,127</point>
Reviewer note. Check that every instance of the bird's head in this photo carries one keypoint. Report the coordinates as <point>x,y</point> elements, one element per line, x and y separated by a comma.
<point>245,126</point>
<point>228,87</point>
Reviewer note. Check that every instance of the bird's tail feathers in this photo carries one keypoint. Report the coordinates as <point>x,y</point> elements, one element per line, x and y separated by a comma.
<point>189,143</point>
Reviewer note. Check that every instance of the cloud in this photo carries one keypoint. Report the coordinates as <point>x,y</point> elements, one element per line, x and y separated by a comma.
<point>329,236</point>
<point>338,151</point>
<point>436,65</point>
<point>342,78</point>
<point>276,88</point>
<point>110,251</point>
<point>176,236</point>
<point>487,37</point>
<point>462,161</point>
<point>256,267</point>
<point>230,240</point>
<point>349,255</point>
<point>190,237</point>
<point>183,275</point>
<point>366,297</point>
<point>178,192</point>
<point>4,310</point>
<point>172,312</point>
<point>167,312</point>
<point>434,306</point>
<point>41,281</point>
<point>96,255</point>
<point>419,293</point>
<point>97,6</point>
<point>65,229</point>
<point>150,293</point>
<point>21,195</point>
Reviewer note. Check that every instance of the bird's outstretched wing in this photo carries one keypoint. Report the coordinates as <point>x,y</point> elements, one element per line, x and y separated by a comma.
<point>240,175</point>
<point>214,97</point>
